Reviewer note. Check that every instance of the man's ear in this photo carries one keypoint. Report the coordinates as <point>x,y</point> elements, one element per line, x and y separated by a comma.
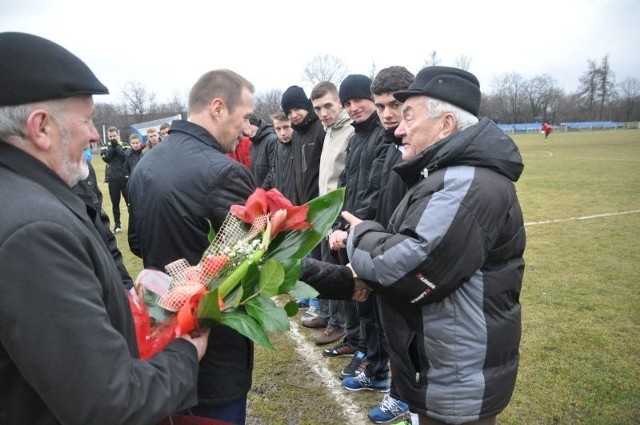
<point>216,107</point>
<point>40,126</point>
<point>449,125</point>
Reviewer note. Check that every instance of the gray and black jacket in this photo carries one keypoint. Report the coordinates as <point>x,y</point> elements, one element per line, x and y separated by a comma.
<point>450,263</point>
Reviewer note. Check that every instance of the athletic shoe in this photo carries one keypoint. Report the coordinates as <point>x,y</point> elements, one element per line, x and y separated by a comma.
<point>388,410</point>
<point>329,335</point>
<point>352,368</point>
<point>363,382</point>
<point>344,349</point>
<point>117,229</point>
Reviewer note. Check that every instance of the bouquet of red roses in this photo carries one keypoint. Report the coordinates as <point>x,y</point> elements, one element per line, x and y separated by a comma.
<point>252,262</point>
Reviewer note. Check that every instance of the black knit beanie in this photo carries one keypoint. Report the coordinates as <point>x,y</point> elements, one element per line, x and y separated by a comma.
<point>294,97</point>
<point>355,86</point>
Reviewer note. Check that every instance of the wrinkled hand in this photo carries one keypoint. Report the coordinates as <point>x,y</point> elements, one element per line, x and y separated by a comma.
<point>360,290</point>
<point>337,240</point>
<point>200,341</point>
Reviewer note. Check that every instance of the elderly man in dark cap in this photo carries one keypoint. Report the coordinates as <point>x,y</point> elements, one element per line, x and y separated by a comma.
<point>450,261</point>
<point>68,350</point>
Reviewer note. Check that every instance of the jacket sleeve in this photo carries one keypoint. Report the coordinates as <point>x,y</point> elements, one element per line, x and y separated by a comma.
<point>62,340</point>
<point>332,281</point>
<point>233,185</point>
<point>437,248</point>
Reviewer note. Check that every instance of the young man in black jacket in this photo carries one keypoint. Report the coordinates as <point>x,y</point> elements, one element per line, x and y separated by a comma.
<point>116,174</point>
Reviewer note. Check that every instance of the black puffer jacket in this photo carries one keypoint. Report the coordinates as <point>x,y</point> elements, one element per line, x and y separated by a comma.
<point>363,186</point>
<point>176,189</point>
<point>451,264</point>
<point>307,140</point>
<point>263,146</point>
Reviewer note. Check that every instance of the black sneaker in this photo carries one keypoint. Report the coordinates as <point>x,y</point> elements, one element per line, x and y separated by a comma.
<point>352,368</point>
<point>344,349</point>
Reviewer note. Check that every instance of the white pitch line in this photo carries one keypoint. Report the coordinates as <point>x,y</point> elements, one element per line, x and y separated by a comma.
<point>313,357</point>
<point>586,217</point>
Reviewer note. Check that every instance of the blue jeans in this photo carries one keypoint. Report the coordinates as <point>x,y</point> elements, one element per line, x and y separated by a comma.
<point>234,412</point>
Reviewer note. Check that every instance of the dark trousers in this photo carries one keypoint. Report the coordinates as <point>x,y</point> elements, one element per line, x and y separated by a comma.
<point>374,336</point>
<point>234,412</point>
<point>117,188</point>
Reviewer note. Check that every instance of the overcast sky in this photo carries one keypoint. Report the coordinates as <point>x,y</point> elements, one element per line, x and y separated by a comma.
<point>166,45</point>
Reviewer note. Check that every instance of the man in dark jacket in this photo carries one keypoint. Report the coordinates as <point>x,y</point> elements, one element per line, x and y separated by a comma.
<point>451,259</point>
<point>307,139</point>
<point>68,352</point>
<point>281,173</point>
<point>362,188</point>
<point>172,211</point>
<point>116,174</point>
<point>263,146</point>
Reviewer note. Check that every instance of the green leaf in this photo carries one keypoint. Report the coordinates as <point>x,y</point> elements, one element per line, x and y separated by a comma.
<point>297,244</point>
<point>302,290</point>
<point>247,326</point>
<point>250,281</point>
<point>291,308</point>
<point>208,307</point>
<point>291,275</point>
<point>212,233</point>
<point>267,313</point>
<point>271,276</point>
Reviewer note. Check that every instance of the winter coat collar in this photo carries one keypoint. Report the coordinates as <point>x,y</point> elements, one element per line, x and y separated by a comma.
<point>481,145</point>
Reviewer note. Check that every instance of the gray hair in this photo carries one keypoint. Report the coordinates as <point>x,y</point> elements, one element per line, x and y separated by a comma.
<point>13,119</point>
<point>437,107</point>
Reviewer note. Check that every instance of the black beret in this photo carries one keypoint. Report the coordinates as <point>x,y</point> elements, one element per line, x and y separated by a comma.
<point>294,97</point>
<point>355,86</point>
<point>33,69</point>
<point>453,85</point>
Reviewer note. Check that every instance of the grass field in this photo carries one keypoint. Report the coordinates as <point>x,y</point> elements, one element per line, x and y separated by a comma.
<point>580,347</point>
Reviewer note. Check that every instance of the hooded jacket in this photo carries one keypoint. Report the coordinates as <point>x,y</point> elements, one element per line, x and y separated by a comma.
<point>450,264</point>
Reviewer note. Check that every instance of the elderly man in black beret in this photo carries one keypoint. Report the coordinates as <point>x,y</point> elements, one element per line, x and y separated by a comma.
<point>450,262</point>
<point>68,351</point>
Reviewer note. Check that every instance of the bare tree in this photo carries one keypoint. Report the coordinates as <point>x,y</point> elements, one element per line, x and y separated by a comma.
<point>433,59</point>
<point>177,105</point>
<point>538,92</point>
<point>325,68</point>
<point>373,71</point>
<point>509,91</point>
<point>606,86</point>
<point>463,62</point>
<point>138,100</point>
<point>629,90</point>
<point>267,103</point>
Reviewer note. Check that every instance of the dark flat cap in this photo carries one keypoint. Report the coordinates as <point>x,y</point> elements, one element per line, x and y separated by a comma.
<point>33,69</point>
<point>453,85</point>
